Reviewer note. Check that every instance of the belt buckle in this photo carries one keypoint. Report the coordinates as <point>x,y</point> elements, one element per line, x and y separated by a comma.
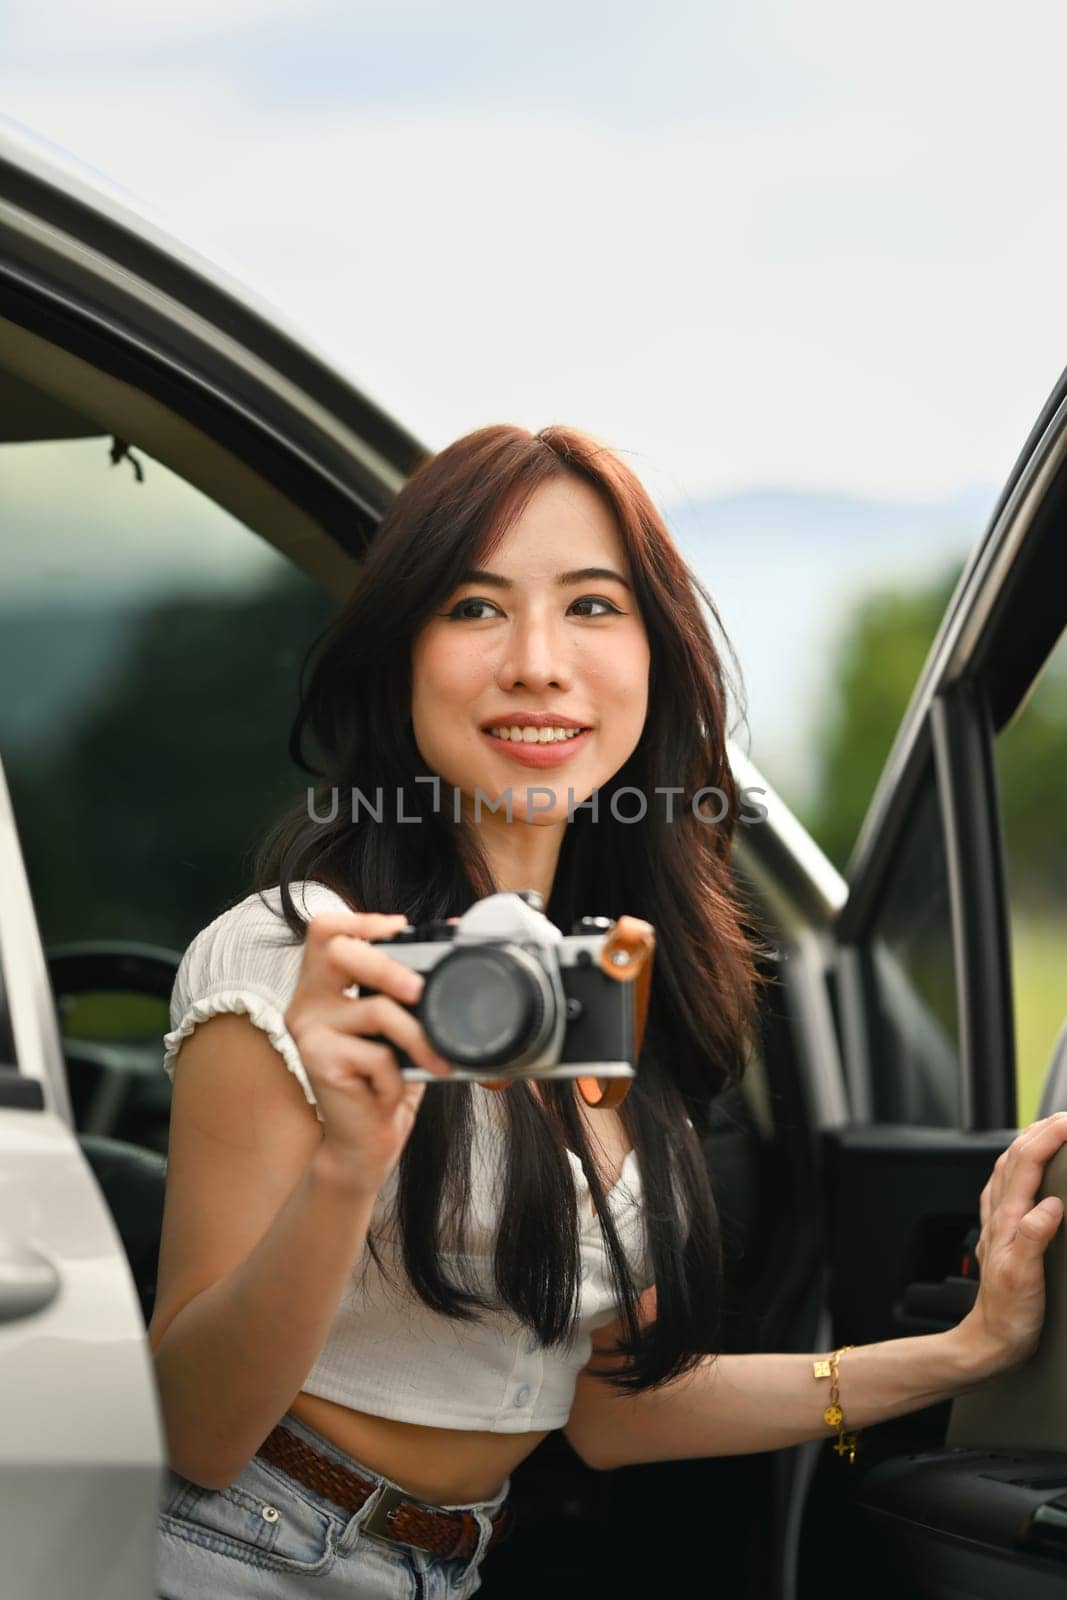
<point>378,1520</point>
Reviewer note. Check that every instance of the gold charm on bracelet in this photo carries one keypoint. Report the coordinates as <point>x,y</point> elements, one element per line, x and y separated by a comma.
<point>833,1416</point>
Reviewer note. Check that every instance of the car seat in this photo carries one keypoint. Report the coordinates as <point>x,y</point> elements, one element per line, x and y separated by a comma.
<point>1054,1090</point>
<point>132,1181</point>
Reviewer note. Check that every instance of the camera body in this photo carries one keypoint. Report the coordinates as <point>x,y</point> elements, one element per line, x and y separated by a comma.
<point>508,996</point>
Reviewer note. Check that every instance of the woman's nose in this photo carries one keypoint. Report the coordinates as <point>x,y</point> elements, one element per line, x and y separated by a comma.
<point>534,656</point>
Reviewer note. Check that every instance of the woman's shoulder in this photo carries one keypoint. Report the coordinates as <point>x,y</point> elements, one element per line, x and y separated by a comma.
<point>309,896</point>
<point>255,926</point>
<point>247,960</point>
<point>263,907</point>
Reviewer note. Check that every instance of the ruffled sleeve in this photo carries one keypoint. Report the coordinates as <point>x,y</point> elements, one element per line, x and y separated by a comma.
<point>246,962</point>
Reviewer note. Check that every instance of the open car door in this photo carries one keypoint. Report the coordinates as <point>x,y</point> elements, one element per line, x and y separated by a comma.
<point>81,1446</point>
<point>955,1500</point>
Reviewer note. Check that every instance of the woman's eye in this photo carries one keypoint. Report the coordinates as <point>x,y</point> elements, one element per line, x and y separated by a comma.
<point>460,613</point>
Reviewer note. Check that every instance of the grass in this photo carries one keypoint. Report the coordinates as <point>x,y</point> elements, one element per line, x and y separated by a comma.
<point>1039,978</point>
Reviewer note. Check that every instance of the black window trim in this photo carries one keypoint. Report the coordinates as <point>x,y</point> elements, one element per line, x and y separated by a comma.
<point>964,762</point>
<point>954,749</point>
<point>105,344</point>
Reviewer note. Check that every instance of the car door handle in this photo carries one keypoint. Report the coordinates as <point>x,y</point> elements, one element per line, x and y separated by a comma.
<point>947,1301</point>
<point>28,1281</point>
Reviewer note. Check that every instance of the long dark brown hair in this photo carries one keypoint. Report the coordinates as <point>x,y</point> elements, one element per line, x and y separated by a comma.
<point>355,701</point>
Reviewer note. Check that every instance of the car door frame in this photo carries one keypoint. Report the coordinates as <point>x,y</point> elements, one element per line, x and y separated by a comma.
<point>82,1446</point>
<point>979,669</point>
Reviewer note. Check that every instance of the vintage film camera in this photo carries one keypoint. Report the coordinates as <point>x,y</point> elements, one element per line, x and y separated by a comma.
<point>508,996</point>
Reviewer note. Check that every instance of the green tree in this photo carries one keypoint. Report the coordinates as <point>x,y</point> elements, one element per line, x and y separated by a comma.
<point>139,822</point>
<point>1031,756</point>
<point>881,656</point>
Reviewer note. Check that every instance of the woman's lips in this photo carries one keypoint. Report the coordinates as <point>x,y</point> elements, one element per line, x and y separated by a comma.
<point>538,755</point>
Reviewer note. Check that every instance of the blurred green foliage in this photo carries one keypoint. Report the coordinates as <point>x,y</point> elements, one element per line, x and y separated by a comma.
<point>878,661</point>
<point>1031,759</point>
<point>138,817</point>
<point>881,656</point>
<point>1031,756</point>
<point>1039,969</point>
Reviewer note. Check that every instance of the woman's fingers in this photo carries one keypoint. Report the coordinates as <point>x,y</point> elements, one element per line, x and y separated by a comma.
<point>380,1014</point>
<point>1039,1224</point>
<point>372,967</point>
<point>358,1065</point>
<point>1019,1169</point>
<point>371,1069</point>
<point>1007,1200</point>
<point>364,924</point>
<point>984,1206</point>
<point>346,959</point>
<point>332,933</point>
<point>349,1042</point>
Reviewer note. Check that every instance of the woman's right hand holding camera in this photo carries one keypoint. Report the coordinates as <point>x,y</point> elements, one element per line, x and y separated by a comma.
<point>367,1106</point>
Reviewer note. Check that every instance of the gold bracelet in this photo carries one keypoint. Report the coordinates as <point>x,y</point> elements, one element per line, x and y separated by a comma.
<point>833,1415</point>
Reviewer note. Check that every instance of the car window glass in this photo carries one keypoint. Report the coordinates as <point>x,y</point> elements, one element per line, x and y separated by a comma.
<point>908,966</point>
<point>150,648</point>
<point>1031,758</point>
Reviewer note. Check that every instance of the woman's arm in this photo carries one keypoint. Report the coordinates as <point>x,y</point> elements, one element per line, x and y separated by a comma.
<point>261,1230</point>
<point>267,1211</point>
<point>735,1404</point>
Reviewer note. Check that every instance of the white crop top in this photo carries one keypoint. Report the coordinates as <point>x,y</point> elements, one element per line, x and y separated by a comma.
<point>386,1353</point>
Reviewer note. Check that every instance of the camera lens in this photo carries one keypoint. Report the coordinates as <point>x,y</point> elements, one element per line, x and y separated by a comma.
<point>488,1006</point>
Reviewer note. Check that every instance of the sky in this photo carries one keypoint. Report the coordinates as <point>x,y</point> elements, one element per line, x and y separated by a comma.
<point>814,245</point>
<point>794,248</point>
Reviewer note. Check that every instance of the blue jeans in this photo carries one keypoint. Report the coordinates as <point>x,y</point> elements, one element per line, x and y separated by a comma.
<point>267,1537</point>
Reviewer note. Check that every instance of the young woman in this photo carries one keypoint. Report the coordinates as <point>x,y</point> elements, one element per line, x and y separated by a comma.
<point>375,1296</point>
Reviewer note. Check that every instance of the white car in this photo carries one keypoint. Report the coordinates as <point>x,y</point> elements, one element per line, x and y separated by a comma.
<point>186,488</point>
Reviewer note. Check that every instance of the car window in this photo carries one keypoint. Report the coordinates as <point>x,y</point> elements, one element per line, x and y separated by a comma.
<point>150,650</point>
<point>150,647</point>
<point>1031,759</point>
<point>907,962</point>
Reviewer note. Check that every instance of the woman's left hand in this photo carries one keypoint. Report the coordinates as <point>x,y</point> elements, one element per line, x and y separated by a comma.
<point>1004,1325</point>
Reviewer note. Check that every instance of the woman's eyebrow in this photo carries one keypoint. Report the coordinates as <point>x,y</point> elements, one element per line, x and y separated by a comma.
<point>479,575</point>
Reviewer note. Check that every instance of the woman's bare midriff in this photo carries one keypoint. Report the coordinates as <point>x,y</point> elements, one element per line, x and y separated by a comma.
<point>449,1466</point>
<point>444,1466</point>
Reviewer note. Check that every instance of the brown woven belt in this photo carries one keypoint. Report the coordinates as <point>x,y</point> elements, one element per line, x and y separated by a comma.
<point>442,1533</point>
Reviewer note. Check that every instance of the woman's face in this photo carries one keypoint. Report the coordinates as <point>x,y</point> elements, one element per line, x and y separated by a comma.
<point>516,641</point>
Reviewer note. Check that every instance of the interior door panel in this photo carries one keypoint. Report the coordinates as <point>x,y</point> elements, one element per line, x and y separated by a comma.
<point>922,1517</point>
<point>1027,1406</point>
<point>901,1202</point>
<point>957,1522</point>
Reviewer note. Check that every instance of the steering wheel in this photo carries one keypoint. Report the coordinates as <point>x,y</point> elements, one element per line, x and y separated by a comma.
<point>106,1078</point>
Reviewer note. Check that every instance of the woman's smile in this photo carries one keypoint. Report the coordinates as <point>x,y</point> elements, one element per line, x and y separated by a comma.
<point>531,753</point>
